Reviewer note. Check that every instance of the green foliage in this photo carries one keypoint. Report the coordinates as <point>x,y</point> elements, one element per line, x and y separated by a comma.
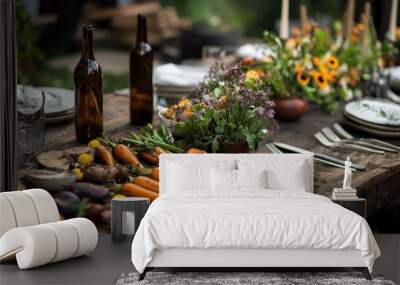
<point>28,54</point>
<point>62,77</point>
<point>227,108</point>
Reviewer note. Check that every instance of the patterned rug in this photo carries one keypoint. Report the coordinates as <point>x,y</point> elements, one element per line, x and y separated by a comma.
<point>243,278</point>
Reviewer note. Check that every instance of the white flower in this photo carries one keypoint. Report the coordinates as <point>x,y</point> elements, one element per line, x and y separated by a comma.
<point>343,68</point>
<point>349,94</point>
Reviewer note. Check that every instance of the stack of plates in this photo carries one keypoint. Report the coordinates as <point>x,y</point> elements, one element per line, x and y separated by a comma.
<point>257,51</point>
<point>395,78</point>
<point>59,105</point>
<point>177,81</point>
<point>374,116</point>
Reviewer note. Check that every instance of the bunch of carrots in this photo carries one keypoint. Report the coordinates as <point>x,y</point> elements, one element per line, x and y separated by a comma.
<point>147,144</point>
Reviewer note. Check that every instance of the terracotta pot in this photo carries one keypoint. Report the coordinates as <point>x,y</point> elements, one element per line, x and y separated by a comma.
<point>290,108</point>
<point>234,147</point>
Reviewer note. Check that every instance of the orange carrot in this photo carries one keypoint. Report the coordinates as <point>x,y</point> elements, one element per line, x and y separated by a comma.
<point>147,182</point>
<point>155,173</point>
<point>125,155</point>
<point>150,157</point>
<point>158,150</point>
<point>194,150</point>
<point>133,190</point>
<point>105,155</point>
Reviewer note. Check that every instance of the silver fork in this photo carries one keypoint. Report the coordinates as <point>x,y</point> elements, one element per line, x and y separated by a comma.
<point>346,135</point>
<point>334,138</point>
<point>325,142</point>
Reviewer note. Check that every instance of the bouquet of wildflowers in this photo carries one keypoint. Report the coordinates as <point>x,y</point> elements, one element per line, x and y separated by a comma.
<point>226,107</point>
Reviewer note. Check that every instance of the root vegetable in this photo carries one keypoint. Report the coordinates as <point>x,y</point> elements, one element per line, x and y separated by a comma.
<point>155,173</point>
<point>99,173</point>
<point>105,155</point>
<point>68,203</point>
<point>158,150</point>
<point>125,155</point>
<point>93,192</point>
<point>147,183</point>
<point>150,157</point>
<point>94,211</point>
<point>133,190</point>
<point>196,151</point>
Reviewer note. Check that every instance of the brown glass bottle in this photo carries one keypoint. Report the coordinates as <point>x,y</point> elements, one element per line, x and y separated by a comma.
<point>141,77</point>
<point>88,79</point>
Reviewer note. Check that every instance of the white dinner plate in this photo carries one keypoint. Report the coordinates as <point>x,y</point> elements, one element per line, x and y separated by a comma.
<point>375,111</point>
<point>58,100</point>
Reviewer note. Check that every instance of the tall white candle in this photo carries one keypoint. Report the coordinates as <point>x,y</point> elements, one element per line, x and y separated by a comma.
<point>393,21</point>
<point>284,24</point>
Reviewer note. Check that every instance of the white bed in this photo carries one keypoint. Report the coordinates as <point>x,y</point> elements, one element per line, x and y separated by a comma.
<point>205,226</point>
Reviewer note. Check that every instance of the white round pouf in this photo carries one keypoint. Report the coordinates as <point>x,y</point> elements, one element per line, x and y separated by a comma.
<point>7,218</point>
<point>33,246</point>
<point>45,205</point>
<point>87,234</point>
<point>40,244</point>
<point>23,208</point>
<point>67,240</point>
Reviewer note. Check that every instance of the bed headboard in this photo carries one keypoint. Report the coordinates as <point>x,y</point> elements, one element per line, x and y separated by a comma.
<point>280,162</point>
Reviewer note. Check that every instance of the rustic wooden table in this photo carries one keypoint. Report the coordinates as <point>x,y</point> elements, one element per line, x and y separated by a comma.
<point>379,184</point>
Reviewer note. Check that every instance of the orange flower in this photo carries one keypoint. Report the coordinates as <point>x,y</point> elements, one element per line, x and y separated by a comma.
<point>261,73</point>
<point>303,79</point>
<point>252,74</point>
<point>188,112</point>
<point>316,61</point>
<point>320,80</point>
<point>332,62</point>
<point>290,43</point>
<point>331,76</point>
<point>298,68</point>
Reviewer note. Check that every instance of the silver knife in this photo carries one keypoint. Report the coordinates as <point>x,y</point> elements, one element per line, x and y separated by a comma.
<point>317,155</point>
<point>276,150</point>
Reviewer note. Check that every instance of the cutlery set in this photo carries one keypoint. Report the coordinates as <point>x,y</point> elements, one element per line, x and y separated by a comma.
<point>330,139</point>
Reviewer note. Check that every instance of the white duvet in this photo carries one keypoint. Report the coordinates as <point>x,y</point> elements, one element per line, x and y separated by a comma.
<point>250,219</point>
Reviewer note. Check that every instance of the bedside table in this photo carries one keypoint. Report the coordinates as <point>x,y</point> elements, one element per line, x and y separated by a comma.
<point>357,205</point>
<point>126,214</point>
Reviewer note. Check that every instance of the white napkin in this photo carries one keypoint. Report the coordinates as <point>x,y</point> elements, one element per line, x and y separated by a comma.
<point>179,75</point>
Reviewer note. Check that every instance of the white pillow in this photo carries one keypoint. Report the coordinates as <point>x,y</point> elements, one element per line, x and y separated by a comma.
<point>251,178</point>
<point>223,179</point>
<point>278,180</point>
<point>282,173</point>
<point>183,177</point>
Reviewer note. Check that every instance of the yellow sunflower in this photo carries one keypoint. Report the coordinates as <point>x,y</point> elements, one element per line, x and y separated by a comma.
<point>320,80</point>
<point>332,62</point>
<point>303,79</point>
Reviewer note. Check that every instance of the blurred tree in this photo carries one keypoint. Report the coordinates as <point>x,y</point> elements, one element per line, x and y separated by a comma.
<point>28,54</point>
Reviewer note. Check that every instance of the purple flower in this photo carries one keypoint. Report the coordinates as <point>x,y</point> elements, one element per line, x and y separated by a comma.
<point>260,111</point>
<point>270,114</point>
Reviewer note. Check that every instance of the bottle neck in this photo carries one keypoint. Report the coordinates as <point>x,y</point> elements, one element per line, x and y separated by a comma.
<point>87,44</point>
<point>141,36</point>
